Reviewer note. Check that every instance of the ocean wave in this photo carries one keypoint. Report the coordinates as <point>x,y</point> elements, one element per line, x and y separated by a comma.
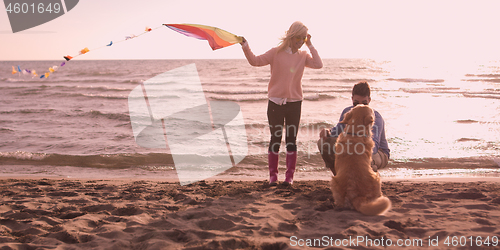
<point>488,93</point>
<point>28,111</point>
<point>319,124</point>
<point>100,73</point>
<point>236,92</point>
<point>56,79</point>
<point>2,130</point>
<point>468,140</point>
<point>119,97</point>
<point>76,95</point>
<point>238,98</point>
<point>494,80</point>
<point>307,125</point>
<point>263,97</point>
<point>481,95</point>
<point>302,125</point>
<point>438,90</point>
<point>484,75</point>
<point>404,173</point>
<point>319,96</point>
<point>262,79</point>
<point>306,162</point>
<point>11,88</point>
<point>101,80</point>
<point>493,90</point>
<point>251,84</point>
<point>468,121</point>
<point>352,67</point>
<point>111,161</point>
<point>107,80</point>
<point>411,80</point>
<point>256,125</point>
<point>332,87</point>
<point>75,113</point>
<point>321,79</point>
<point>344,80</point>
<point>100,88</point>
<point>18,80</point>
<point>446,163</point>
<point>111,116</point>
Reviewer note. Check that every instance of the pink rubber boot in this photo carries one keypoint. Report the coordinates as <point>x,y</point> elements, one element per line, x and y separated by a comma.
<point>291,161</point>
<point>273,159</point>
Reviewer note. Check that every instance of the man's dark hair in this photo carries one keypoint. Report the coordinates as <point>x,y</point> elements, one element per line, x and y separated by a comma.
<point>361,89</point>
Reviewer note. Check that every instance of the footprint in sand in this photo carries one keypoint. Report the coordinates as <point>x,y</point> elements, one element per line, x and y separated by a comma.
<point>219,224</point>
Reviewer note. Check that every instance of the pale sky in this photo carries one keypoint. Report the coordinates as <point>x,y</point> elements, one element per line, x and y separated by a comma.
<point>411,30</point>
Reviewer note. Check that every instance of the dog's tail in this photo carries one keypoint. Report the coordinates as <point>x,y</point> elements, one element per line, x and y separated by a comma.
<point>375,207</point>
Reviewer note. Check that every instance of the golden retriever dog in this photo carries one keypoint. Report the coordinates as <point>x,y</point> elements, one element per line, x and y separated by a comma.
<point>355,183</point>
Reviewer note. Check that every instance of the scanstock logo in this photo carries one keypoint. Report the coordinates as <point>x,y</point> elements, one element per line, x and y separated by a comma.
<point>171,111</point>
<point>26,14</point>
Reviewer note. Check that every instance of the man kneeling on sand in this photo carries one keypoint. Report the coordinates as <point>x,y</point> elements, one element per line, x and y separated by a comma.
<point>328,137</point>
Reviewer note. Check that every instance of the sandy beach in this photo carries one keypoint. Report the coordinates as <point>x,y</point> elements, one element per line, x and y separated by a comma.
<point>73,176</point>
<point>138,214</point>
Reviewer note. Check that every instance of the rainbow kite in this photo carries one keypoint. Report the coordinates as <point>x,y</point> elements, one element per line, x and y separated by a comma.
<point>217,38</point>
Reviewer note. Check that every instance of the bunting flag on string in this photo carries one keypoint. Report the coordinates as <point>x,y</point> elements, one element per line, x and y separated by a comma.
<point>217,38</point>
<point>83,51</point>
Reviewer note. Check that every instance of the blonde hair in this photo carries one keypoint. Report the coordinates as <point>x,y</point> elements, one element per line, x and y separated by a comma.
<point>295,29</point>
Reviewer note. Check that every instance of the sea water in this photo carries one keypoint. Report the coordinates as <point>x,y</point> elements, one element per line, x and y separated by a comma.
<point>436,116</point>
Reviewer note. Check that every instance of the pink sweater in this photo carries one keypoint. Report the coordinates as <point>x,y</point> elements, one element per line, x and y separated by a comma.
<point>286,69</point>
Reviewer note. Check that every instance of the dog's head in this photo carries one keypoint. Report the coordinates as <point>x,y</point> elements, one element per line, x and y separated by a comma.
<point>359,120</point>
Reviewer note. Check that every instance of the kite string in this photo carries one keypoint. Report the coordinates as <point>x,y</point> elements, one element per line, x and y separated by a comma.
<point>68,58</point>
<point>113,43</point>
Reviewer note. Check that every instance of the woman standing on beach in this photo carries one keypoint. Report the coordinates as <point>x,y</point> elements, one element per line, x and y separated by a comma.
<point>285,93</point>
